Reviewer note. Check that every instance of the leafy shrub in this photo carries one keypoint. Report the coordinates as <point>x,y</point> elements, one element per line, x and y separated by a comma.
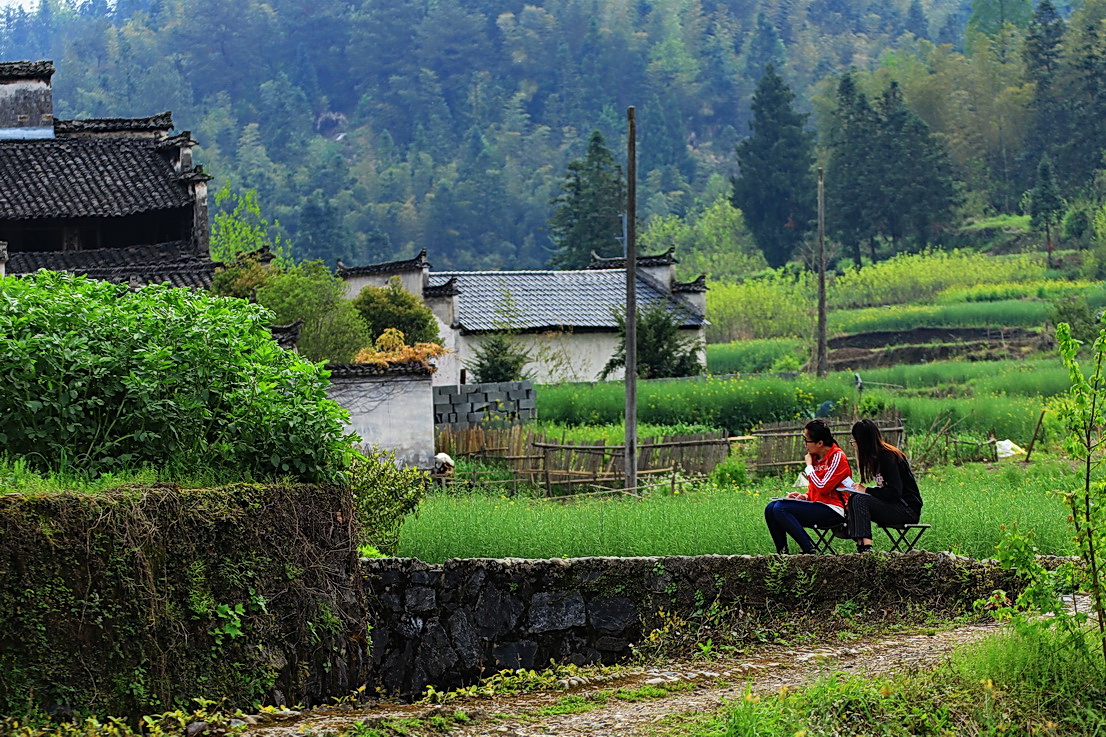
<point>1074,310</point>
<point>97,377</point>
<point>383,494</point>
<point>391,347</point>
<point>394,307</point>
<point>332,329</point>
<point>730,472</point>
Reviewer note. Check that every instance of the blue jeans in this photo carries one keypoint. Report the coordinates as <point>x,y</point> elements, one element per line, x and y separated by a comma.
<point>790,517</point>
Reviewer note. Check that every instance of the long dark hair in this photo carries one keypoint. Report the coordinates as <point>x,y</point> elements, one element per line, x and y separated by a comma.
<point>869,444</point>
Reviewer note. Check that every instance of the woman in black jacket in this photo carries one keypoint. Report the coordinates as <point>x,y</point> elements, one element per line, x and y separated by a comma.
<point>892,498</point>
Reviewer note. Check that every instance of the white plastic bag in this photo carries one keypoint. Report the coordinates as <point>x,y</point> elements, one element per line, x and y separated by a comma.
<point>1008,449</point>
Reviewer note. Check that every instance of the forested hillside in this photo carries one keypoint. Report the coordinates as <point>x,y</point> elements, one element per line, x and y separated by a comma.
<point>371,128</point>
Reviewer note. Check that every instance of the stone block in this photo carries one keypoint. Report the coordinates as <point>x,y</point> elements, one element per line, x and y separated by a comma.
<point>515,655</point>
<point>613,615</point>
<point>527,404</point>
<point>435,652</point>
<point>465,641</point>
<point>551,611</point>
<point>420,599</point>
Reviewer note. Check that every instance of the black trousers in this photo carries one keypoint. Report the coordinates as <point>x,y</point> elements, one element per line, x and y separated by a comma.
<point>864,509</point>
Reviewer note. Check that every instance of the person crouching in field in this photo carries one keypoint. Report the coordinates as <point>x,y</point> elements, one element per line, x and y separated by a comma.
<point>893,497</point>
<point>823,505</point>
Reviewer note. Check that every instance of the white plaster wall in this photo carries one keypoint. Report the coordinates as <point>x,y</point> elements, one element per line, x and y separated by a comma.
<point>394,412</point>
<point>558,356</point>
<point>412,281</point>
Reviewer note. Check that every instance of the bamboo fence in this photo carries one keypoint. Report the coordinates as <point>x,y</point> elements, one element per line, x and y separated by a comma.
<point>563,467</point>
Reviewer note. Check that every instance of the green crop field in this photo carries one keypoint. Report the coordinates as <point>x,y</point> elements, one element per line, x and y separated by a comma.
<point>967,506</point>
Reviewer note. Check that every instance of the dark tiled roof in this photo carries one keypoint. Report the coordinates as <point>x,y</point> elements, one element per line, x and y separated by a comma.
<point>192,274</point>
<point>94,177</point>
<point>619,262</point>
<point>25,69</point>
<point>439,288</point>
<point>286,336</point>
<point>162,122</point>
<point>553,299</point>
<point>174,263</point>
<point>361,370</point>
<point>411,264</point>
<point>699,285</point>
<point>98,258</point>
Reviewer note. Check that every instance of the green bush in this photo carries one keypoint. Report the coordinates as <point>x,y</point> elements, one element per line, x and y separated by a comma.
<point>383,494</point>
<point>97,377</point>
<point>394,307</point>
<point>332,329</point>
<point>498,358</point>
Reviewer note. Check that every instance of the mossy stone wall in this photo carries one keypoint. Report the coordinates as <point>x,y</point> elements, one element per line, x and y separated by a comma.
<point>447,625</point>
<point>139,599</point>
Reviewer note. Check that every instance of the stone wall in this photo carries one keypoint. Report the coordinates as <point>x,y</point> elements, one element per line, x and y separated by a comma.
<point>447,625</point>
<point>505,403</point>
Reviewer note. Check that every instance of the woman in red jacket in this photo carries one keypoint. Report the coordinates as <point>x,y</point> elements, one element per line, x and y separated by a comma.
<point>823,504</point>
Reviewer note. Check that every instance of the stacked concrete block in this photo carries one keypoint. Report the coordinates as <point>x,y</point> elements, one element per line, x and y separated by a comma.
<point>496,405</point>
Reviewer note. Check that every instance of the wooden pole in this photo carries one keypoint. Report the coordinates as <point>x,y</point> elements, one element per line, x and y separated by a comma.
<point>1034,439</point>
<point>631,300</point>
<point>821,362</point>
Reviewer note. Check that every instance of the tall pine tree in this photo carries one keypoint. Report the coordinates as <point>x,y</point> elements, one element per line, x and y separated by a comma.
<point>776,187</point>
<point>851,172</point>
<point>1046,206</point>
<point>587,215</point>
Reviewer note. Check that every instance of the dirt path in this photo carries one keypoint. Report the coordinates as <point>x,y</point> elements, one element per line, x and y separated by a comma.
<point>709,683</point>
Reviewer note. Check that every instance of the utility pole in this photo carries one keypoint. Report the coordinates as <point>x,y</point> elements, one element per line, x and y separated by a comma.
<point>821,363</point>
<point>631,300</point>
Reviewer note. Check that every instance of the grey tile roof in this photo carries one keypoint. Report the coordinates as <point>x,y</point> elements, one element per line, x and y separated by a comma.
<point>173,263</point>
<point>619,262</point>
<point>87,177</point>
<point>162,122</point>
<point>411,264</point>
<point>553,299</point>
<point>191,274</point>
<point>98,258</point>
<point>26,69</point>
<point>361,370</point>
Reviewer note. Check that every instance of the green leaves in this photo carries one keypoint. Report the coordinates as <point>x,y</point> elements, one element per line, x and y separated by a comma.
<point>99,377</point>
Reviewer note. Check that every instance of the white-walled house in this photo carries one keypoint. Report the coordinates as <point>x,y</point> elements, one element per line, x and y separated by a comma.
<point>565,318</point>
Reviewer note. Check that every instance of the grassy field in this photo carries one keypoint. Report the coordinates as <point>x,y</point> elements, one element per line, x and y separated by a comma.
<point>967,506</point>
<point>1016,683</point>
<point>1002,396</point>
